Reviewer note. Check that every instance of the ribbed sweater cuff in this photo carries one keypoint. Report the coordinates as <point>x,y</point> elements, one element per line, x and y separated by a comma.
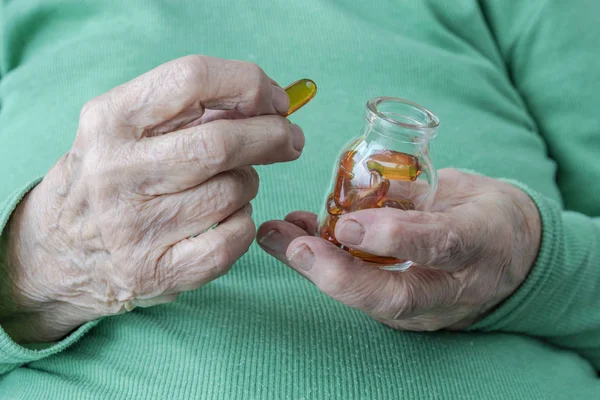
<point>13,355</point>
<point>529,306</point>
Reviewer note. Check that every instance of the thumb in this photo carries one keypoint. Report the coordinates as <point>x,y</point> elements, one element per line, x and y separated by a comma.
<point>439,240</point>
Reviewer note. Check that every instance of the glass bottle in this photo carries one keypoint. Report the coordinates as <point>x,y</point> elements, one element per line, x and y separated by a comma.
<point>387,166</point>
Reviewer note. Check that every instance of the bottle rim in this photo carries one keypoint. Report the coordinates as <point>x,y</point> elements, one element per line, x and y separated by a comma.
<point>430,124</point>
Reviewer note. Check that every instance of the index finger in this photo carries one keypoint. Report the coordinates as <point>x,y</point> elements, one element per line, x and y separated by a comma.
<point>382,294</point>
<point>187,86</point>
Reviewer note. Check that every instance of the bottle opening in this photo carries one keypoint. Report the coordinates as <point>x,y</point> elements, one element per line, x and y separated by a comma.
<point>398,116</point>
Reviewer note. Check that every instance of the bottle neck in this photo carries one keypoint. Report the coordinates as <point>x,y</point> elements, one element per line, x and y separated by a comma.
<point>395,138</point>
<point>399,125</point>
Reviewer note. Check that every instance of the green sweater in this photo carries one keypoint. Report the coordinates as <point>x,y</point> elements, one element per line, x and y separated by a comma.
<point>517,88</point>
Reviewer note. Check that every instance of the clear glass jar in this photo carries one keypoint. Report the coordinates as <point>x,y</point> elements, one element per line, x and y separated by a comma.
<point>387,166</point>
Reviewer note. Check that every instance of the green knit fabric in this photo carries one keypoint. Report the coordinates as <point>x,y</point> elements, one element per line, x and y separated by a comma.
<point>517,88</point>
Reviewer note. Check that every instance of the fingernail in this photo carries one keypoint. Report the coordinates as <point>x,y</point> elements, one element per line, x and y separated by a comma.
<point>349,231</point>
<point>273,241</point>
<point>297,137</point>
<point>302,258</point>
<point>281,100</point>
<point>248,209</point>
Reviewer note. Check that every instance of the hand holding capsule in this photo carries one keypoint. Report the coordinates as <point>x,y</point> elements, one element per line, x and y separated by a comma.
<point>122,220</point>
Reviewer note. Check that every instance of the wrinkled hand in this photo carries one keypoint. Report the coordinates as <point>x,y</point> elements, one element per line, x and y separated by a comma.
<point>471,252</point>
<point>155,162</point>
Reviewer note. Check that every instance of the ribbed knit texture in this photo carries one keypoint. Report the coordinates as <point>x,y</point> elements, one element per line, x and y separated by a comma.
<point>517,89</point>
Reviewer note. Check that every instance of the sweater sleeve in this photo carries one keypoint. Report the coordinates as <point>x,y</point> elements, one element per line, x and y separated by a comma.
<point>551,52</point>
<point>560,299</point>
<point>13,186</point>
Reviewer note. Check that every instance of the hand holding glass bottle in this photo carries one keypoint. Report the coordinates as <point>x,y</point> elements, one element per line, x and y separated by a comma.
<point>472,244</point>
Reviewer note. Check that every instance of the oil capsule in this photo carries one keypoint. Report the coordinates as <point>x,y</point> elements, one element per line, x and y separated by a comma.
<point>371,258</point>
<point>395,165</point>
<point>328,230</point>
<point>332,207</point>
<point>403,204</point>
<point>300,93</point>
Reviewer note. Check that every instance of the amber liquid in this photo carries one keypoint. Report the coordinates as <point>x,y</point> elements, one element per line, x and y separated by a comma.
<point>364,183</point>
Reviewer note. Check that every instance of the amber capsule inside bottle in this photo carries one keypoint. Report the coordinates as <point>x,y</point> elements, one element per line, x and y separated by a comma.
<point>369,198</point>
<point>395,165</point>
<point>370,258</point>
<point>332,207</point>
<point>300,93</point>
<point>327,230</point>
<point>400,204</point>
<point>388,166</point>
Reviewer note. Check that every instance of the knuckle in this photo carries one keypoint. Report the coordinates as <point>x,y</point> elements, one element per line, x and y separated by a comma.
<point>221,250</point>
<point>191,69</point>
<point>183,75</point>
<point>246,233</point>
<point>221,146</point>
<point>245,182</point>
<point>193,60</point>
<point>194,150</point>
<point>282,132</point>
<point>260,85</point>
<point>224,193</point>
<point>254,96</point>
<point>92,114</point>
<point>190,150</point>
<point>254,177</point>
<point>220,259</point>
<point>232,189</point>
<point>254,72</point>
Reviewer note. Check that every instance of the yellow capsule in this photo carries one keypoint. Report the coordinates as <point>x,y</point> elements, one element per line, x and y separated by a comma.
<point>300,93</point>
<point>395,165</point>
<point>392,171</point>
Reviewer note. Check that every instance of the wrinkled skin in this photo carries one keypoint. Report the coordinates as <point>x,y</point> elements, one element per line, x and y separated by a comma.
<point>155,162</point>
<point>472,251</point>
